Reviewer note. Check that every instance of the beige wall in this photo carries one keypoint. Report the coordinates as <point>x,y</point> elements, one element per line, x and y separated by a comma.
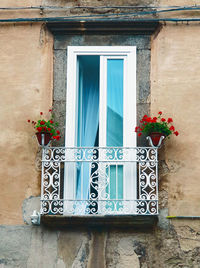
<point>26,89</point>
<point>175,90</point>
<point>26,57</point>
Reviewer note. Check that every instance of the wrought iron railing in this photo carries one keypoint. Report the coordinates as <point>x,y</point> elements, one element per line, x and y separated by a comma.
<point>99,181</point>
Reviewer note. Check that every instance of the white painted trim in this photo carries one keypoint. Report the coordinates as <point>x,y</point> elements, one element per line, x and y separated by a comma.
<point>102,102</point>
<point>70,128</point>
<point>129,136</point>
<point>101,50</point>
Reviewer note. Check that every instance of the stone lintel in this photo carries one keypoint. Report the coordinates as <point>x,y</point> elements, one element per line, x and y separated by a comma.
<point>104,27</point>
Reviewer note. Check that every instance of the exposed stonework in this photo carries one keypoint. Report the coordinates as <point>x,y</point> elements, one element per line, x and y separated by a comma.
<point>28,246</point>
<point>43,248</point>
<point>97,252</point>
<point>73,248</point>
<point>127,256</point>
<point>14,246</point>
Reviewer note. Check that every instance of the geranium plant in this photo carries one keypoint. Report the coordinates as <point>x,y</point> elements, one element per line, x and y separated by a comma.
<point>46,126</point>
<point>157,124</point>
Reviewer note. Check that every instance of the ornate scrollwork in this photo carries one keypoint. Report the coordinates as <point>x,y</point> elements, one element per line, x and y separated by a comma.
<point>101,199</point>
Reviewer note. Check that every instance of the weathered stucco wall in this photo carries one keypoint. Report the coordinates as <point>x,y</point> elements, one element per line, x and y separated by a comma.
<point>26,89</point>
<point>26,79</point>
<point>26,246</point>
<point>175,90</point>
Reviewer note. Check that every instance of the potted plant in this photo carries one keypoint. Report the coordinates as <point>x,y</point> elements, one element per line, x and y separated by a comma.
<point>46,130</point>
<point>156,127</point>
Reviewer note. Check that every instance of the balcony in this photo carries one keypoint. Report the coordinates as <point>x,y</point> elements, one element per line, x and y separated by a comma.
<point>93,182</point>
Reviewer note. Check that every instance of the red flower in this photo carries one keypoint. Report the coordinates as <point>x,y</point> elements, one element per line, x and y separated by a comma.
<point>51,134</point>
<point>57,138</point>
<point>139,134</point>
<point>148,119</point>
<point>169,120</point>
<point>41,113</point>
<point>163,120</point>
<point>136,129</point>
<point>54,137</point>
<point>50,110</point>
<point>172,128</point>
<point>42,123</point>
<point>144,117</point>
<point>154,120</point>
<point>44,128</point>
<point>58,132</point>
<point>39,129</point>
<point>49,129</point>
<point>51,121</point>
<point>33,122</point>
<point>160,113</point>
<point>176,133</point>
<point>28,120</point>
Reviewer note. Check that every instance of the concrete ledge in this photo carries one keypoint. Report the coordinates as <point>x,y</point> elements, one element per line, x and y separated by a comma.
<point>92,221</point>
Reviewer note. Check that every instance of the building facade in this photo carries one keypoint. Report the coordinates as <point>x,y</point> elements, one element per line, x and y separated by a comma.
<point>157,42</point>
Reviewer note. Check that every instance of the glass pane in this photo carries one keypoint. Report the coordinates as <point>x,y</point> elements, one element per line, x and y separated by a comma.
<point>88,101</point>
<point>115,121</point>
<point>115,102</point>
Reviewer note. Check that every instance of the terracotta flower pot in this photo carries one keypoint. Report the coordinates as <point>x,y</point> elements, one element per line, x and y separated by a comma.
<point>155,137</point>
<point>47,138</point>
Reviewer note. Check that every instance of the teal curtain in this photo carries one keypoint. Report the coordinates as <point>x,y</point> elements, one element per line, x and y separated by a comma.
<point>88,116</point>
<point>115,121</point>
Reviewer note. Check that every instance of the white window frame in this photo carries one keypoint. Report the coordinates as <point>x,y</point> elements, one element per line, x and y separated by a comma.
<point>128,53</point>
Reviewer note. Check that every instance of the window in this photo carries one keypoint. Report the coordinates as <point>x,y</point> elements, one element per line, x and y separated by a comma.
<point>100,114</point>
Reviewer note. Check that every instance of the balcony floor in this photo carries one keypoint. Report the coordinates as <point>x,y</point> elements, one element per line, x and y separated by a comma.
<point>122,221</point>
